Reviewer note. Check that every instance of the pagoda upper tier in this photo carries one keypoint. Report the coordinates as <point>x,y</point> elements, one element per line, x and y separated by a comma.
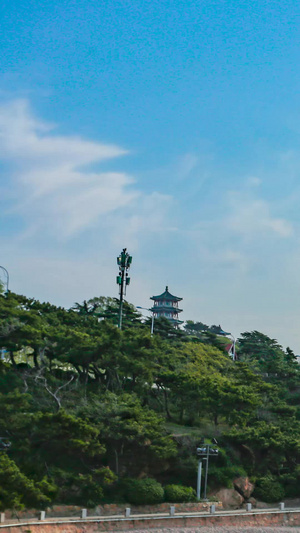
<point>166,305</point>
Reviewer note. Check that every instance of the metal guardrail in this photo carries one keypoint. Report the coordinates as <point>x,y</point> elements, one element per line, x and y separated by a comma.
<point>147,516</point>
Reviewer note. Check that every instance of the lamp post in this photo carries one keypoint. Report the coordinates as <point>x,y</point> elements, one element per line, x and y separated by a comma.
<point>7,278</point>
<point>152,319</point>
<point>204,452</point>
<point>124,261</point>
<point>233,346</point>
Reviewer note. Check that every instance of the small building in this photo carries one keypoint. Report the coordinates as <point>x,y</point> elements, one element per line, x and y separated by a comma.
<point>166,305</point>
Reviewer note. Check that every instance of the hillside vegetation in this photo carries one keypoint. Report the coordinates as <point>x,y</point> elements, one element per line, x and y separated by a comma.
<point>89,413</point>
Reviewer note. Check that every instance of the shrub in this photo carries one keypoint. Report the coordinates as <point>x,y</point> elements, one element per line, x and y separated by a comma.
<point>268,489</point>
<point>291,483</point>
<point>222,476</point>
<point>179,493</point>
<point>143,491</point>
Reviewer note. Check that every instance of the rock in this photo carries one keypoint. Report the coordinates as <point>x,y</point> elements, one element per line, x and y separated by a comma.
<point>244,486</point>
<point>230,498</point>
<point>253,501</point>
<point>264,505</point>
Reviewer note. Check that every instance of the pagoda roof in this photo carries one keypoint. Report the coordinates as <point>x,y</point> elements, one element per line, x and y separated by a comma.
<point>175,321</point>
<point>166,308</point>
<point>166,296</point>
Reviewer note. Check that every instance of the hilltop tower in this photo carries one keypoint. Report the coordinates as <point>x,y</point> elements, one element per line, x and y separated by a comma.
<point>167,305</point>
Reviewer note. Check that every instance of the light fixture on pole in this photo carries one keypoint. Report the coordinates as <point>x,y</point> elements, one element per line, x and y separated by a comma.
<point>152,318</point>
<point>7,277</point>
<point>204,452</point>
<point>124,261</point>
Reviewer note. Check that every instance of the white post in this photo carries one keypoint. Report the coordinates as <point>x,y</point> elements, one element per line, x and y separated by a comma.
<point>248,506</point>
<point>42,515</point>
<point>127,512</point>
<point>172,510</point>
<point>83,513</point>
<point>212,509</point>
<point>2,518</point>
<point>199,480</point>
<point>281,506</point>
<point>152,324</point>
<point>206,471</point>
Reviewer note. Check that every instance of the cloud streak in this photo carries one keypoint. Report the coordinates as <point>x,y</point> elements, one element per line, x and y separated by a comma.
<point>252,216</point>
<point>52,185</point>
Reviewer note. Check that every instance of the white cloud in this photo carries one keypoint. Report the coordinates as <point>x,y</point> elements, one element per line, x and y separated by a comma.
<point>28,139</point>
<point>251,217</point>
<point>51,185</point>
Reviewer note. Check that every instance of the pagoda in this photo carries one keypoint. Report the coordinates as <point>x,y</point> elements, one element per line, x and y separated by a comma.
<point>167,305</point>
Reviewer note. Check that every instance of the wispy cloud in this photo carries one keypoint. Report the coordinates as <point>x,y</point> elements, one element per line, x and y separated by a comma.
<point>251,216</point>
<point>51,182</point>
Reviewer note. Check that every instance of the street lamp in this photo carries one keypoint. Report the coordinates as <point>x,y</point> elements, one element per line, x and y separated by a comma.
<point>152,319</point>
<point>204,452</point>
<point>124,261</point>
<point>233,354</point>
<point>7,278</point>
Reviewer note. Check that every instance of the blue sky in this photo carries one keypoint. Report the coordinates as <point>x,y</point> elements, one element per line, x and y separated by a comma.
<point>168,127</point>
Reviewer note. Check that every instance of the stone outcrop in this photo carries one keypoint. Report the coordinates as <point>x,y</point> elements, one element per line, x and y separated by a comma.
<point>244,486</point>
<point>230,498</point>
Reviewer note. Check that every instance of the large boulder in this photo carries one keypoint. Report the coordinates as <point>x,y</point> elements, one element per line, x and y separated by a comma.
<point>230,498</point>
<point>244,486</point>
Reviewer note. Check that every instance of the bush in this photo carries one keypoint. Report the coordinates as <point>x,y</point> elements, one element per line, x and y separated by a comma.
<point>179,493</point>
<point>291,484</point>
<point>268,489</point>
<point>143,491</point>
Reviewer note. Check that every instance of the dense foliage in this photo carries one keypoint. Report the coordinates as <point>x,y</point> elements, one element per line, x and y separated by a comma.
<point>89,409</point>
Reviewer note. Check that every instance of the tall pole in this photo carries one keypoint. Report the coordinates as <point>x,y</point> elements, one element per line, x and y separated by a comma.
<point>7,278</point>
<point>199,479</point>
<point>206,471</point>
<point>121,299</point>
<point>204,451</point>
<point>124,261</point>
<point>152,324</point>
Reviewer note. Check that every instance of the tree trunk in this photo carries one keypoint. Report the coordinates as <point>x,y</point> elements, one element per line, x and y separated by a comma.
<point>35,358</point>
<point>11,356</point>
<point>167,405</point>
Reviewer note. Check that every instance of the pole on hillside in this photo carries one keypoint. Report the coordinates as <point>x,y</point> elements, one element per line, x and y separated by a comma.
<point>199,479</point>
<point>204,451</point>
<point>206,473</point>
<point>124,261</point>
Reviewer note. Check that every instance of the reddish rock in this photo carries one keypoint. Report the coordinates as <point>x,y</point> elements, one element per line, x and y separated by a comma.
<point>230,498</point>
<point>244,486</point>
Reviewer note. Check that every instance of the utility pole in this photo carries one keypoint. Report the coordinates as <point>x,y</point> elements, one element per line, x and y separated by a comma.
<point>199,479</point>
<point>203,452</point>
<point>124,261</point>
